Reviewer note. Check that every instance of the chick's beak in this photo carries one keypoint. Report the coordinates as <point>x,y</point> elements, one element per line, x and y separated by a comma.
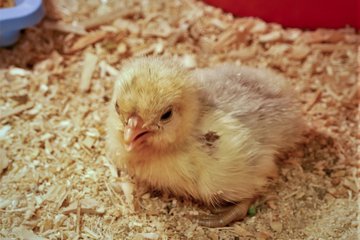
<point>134,133</point>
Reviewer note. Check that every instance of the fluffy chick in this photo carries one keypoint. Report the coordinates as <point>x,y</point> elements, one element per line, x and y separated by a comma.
<point>209,134</point>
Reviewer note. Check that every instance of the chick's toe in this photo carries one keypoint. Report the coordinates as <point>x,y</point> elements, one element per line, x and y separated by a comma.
<point>226,215</point>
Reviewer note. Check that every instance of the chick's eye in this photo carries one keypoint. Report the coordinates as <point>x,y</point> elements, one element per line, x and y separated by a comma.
<point>166,116</point>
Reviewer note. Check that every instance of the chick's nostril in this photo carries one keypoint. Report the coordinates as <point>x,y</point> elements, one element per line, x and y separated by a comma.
<point>132,122</point>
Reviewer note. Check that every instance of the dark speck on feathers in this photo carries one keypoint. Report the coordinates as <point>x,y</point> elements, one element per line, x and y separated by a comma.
<point>209,139</point>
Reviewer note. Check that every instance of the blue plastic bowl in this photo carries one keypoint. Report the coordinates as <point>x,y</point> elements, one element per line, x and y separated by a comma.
<point>25,14</point>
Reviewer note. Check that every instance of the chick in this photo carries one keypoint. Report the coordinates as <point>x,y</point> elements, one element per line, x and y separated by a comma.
<point>211,135</point>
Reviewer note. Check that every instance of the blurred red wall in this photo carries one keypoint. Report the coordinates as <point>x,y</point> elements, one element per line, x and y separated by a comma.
<point>297,13</point>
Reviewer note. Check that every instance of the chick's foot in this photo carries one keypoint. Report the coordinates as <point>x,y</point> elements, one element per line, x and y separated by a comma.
<point>225,215</point>
<point>222,209</point>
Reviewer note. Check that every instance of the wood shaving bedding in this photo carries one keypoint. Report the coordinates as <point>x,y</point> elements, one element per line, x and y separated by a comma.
<point>56,182</point>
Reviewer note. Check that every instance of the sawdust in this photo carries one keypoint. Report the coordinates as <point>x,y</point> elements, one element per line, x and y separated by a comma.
<point>56,182</point>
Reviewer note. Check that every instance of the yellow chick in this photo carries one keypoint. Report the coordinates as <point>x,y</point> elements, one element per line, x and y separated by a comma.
<point>209,134</point>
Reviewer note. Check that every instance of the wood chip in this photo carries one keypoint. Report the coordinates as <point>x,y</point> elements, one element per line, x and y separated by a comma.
<point>89,66</point>
<point>292,35</point>
<point>7,3</point>
<point>127,25</point>
<point>106,18</point>
<point>65,27</point>
<point>4,161</point>
<point>278,49</point>
<point>26,234</point>
<point>19,72</point>
<point>87,205</point>
<point>88,142</point>
<point>57,194</point>
<point>350,185</point>
<point>86,40</point>
<point>106,68</point>
<point>259,27</point>
<point>4,203</point>
<point>146,236</point>
<point>270,37</point>
<point>78,218</point>
<point>263,235</point>
<point>242,232</point>
<point>299,52</point>
<point>4,131</point>
<point>189,61</point>
<point>315,99</point>
<point>59,220</point>
<point>47,224</point>
<point>157,29</point>
<point>228,37</point>
<point>323,35</point>
<point>17,110</point>
<point>245,53</point>
<point>326,47</point>
<point>35,110</point>
<point>276,226</point>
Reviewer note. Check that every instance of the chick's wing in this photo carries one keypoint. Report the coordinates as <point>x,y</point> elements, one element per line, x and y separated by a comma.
<point>258,98</point>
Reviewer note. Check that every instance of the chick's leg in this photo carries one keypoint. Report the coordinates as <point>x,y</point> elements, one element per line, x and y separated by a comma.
<point>232,213</point>
<point>140,190</point>
<point>221,209</point>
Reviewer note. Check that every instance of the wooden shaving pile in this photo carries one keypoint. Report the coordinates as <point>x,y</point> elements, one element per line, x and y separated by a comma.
<point>55,179</point>
<point>7,3</point>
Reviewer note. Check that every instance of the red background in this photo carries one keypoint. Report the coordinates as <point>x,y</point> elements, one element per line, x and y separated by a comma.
<point>297,13</point>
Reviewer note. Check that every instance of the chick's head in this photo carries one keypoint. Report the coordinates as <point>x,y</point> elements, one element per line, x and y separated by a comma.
<point>155,103</point>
